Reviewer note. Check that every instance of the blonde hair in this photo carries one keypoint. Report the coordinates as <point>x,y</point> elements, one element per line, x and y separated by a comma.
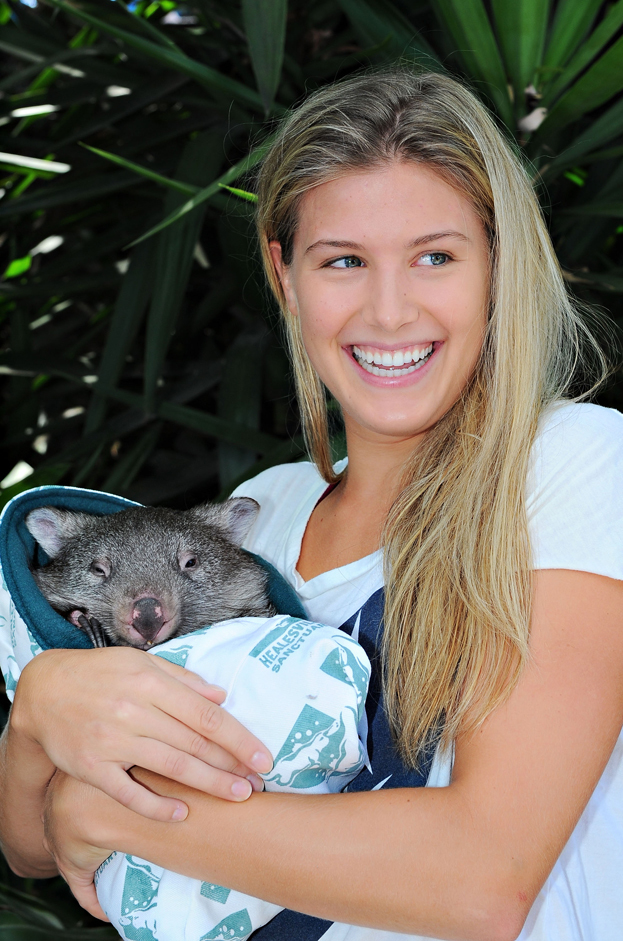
<point>456,547</point>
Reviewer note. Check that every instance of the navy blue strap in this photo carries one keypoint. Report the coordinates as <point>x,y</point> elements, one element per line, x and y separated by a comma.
<point>388,769</point>
<point>292,926</point>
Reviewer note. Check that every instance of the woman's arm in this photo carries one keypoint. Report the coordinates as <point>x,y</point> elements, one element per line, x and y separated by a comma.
<point>96,713</point>
<point>22,795</point>
<point>462,862</point>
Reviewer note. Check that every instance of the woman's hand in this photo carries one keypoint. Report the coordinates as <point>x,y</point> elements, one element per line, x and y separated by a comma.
<point>67,803</point>
<point>96,713</point>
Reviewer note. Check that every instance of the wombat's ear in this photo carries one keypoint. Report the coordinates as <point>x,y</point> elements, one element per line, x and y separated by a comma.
<point>52,528</point>
<point>233,517</point>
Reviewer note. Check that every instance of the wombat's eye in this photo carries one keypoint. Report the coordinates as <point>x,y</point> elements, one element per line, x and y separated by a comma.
<point>100,568</point>
<point>187,560</point>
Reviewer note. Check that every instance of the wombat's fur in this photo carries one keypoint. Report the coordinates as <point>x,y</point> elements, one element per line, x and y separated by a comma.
<point>141,576</point>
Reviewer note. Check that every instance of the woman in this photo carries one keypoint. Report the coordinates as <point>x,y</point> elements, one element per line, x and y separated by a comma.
<point>418,283</point>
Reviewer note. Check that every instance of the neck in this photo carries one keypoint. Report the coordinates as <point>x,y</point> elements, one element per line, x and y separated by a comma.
<point>375,468</point>
<point>349,523</point>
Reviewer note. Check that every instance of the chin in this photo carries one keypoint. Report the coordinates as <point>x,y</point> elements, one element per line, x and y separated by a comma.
<point>399,429</point>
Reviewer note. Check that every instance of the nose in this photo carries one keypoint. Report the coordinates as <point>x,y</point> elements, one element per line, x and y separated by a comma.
<point>147,617</point>
<point>391,302</point>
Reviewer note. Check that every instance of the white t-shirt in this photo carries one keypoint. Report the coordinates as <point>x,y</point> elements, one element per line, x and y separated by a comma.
<point>575,514</point>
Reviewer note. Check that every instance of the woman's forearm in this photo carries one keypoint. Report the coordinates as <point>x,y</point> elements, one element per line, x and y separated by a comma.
<point>355,859</point>
<point>25,772</point>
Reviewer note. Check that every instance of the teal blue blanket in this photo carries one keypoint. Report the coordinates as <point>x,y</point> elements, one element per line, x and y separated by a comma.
<point>18,551</point>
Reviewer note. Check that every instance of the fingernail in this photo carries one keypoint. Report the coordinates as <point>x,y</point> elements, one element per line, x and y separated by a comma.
<point>256,783</point>
<point>216,686</point>
<point>241,789</point>
<point>180,812</point>
<point>262,762</point>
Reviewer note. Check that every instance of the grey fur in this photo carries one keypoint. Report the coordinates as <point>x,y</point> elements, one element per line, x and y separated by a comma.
<point>109,568</point>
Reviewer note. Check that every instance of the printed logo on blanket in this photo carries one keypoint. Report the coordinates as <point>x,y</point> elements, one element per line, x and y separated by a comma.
<point>138,902</point>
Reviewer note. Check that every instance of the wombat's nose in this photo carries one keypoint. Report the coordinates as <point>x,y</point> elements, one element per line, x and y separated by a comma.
<point>147,617</point>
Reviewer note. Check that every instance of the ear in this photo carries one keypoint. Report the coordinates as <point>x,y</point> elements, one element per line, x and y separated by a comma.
<point>233,517</point>
<point>53,528</point>
<point>283,273</point>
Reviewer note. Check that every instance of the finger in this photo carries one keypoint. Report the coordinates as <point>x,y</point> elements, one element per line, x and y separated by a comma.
<point>215,724</point>
<point>179,766</point>
<point>169,731</point>
<point>117,783</point>
<point>221,727</point>
<point>83,890</point>
<point>165,692</point>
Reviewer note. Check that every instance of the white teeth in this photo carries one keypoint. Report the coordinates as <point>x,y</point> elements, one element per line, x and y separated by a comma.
<point>392,364</point>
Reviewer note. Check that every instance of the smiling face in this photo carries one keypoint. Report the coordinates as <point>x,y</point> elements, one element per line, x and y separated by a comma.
<point>390,279</point>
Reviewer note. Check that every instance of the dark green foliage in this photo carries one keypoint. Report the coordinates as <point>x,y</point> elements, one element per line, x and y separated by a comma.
<point>141,354</point>
<point>167,346</point>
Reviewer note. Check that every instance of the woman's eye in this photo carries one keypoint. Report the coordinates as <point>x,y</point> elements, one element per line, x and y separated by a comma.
<point>434,259</point>
<point>348,261</point>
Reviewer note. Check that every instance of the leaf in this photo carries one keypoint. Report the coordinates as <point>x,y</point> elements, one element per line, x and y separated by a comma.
<point>202,422</point>
<point>25,45</point>
<point>59,194</point>
<point>174,252</point>
<point>603,80</point>
<point>610,281</point>
<point>125,322</point>
<point>285,451</point>
<point>170,58</point>
<point>383,26</point>
<point>240,397</point>
<point>228,177</point>
<point>186,188</point>
<point>243,194</point>
<point>612,209</point>
<point>18,266</point>
<point>152,90</point>
<point>130,464</point>
<point>18,78</point>
<point>469,26</point>
<point>34,163</point>
<point>572,21</point>
<point>521,27</point>
<point>604,129</point>
<point>140,23</point>
<point>51,474</point>
<point>593,45</point>
<point>265,27</point>
<point>33,364</point>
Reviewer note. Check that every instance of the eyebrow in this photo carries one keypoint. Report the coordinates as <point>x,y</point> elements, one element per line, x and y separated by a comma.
<point>421,240</point>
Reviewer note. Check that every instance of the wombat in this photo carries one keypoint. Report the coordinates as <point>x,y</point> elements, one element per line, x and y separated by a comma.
<point>141,576</point>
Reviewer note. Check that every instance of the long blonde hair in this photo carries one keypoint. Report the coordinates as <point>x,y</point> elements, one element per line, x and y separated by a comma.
<point>456,547</point>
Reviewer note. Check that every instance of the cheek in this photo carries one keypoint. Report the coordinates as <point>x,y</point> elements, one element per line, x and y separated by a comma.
<point>460,306</point>
<point>322,319</point>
